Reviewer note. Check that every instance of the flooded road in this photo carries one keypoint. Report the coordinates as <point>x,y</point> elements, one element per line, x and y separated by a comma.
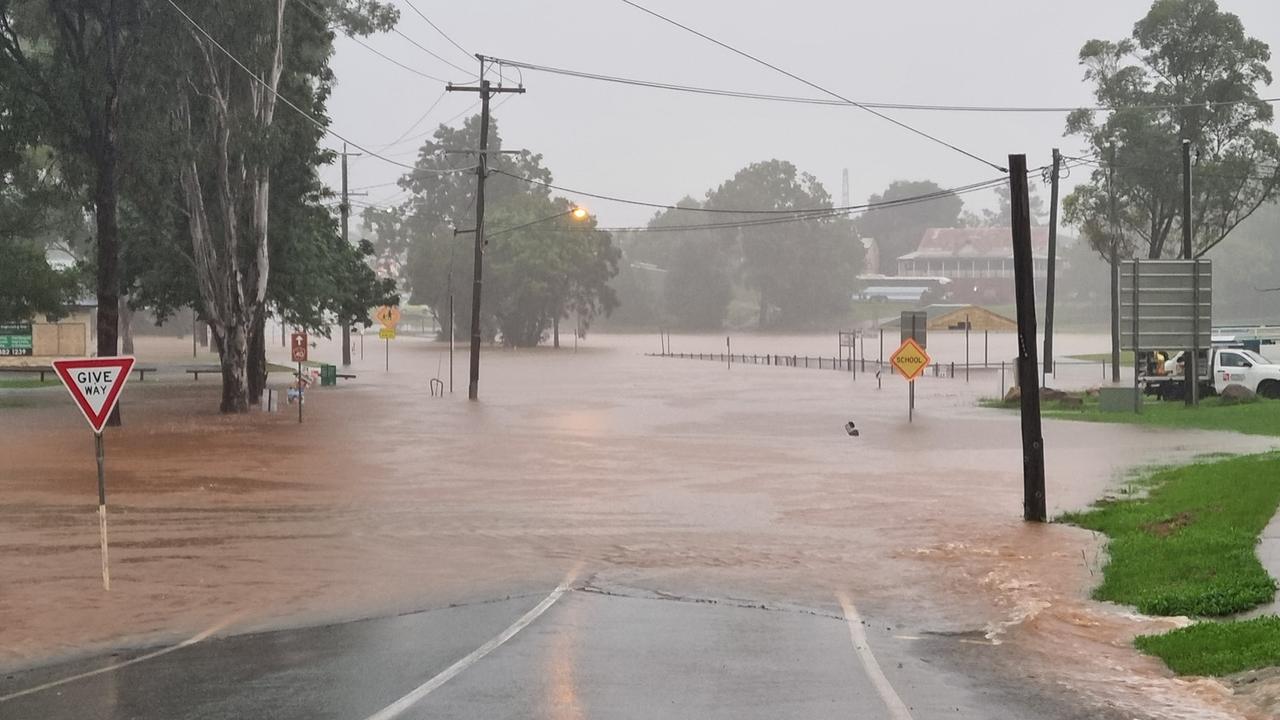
<point>655,476</point>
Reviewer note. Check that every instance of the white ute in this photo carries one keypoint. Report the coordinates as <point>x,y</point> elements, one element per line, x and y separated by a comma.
<point>1232,366</point>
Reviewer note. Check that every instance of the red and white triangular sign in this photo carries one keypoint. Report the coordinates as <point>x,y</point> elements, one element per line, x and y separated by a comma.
<point>95,385</point>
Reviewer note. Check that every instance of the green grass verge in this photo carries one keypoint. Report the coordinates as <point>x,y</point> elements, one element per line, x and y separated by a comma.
<point>1186,548</point>
<point>1214,648</point>
<point>1256,418</point>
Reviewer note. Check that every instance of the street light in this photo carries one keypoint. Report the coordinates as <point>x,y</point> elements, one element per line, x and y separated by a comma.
<point>579,213</point>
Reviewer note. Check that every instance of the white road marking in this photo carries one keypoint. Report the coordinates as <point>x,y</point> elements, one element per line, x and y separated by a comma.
<point>395,709</point>
<point>897,709</point>
<point>109,668</point>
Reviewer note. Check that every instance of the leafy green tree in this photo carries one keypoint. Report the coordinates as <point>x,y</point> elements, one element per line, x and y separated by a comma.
<point>1187,72</point>
<point>898,230</point>
<point>699,285</point>
<point>28,285</point>
<point>804,270</point>
<point>541,265</point>
<point>67,70</point>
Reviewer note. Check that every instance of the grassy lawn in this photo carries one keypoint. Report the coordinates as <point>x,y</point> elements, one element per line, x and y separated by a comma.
<point>1186,548</point>
<point>1212,648</point>
<point>1256,418</point>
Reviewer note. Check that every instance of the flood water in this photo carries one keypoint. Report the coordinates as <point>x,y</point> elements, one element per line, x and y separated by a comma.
<point>677,476</point>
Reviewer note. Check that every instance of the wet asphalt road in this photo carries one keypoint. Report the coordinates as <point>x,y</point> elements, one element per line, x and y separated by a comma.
<point>590,653</point>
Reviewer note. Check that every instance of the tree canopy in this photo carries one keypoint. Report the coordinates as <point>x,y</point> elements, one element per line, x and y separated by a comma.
<point>1188,71</point>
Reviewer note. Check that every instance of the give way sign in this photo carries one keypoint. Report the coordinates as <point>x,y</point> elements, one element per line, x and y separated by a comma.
<point>95,384</point>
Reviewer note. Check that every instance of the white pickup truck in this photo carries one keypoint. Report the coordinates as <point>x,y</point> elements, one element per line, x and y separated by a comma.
<point>1230,366</point>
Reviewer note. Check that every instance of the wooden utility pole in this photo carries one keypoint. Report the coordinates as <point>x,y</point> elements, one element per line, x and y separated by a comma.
<point>1033,498</point>
<point>1191,389</point>
<point>486,90</point>
<point>1115,268</point>
<point>345,210</point>
<point>1050,281</point>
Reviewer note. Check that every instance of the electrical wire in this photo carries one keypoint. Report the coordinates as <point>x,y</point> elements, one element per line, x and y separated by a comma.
<point>819,88</point>
<point>749,95</point>
<point>321,126</point>
<point>351,36</point>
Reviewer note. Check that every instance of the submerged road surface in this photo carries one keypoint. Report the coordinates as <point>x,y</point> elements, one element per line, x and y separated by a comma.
<point>579,652</point>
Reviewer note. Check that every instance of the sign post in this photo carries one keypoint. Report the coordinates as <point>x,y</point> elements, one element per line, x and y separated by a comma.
<point>95,385</point>
<point>910,360</point>
<point>298,352</point>
<point>389,316</point>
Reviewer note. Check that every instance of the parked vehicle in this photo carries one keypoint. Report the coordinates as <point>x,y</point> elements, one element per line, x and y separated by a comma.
<point>1219,367</point>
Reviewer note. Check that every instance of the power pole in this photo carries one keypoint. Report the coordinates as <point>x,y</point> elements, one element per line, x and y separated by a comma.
<point>1053,256</point>
<point>1191,392</point>
<point>1033,499</point>
<point>486,90</point>
<point>1115,269</point>
<point>345,209</point>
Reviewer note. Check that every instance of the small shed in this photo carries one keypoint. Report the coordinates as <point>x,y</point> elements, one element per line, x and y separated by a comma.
<point>953,317</point>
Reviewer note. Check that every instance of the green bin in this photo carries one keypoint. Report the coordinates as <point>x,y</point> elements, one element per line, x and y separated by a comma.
<point>328,375</point>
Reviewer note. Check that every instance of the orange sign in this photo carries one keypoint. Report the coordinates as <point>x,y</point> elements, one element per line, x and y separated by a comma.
<point>388,315</point>
<point>298,347</point>
<point>910,359</point>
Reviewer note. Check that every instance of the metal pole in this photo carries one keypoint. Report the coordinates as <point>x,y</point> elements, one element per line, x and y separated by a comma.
<point>1194,364</point>
<point>966,348</point>
<point>881,348</point>
<point>100,452</point>
<point>450,343</point>
<point>1115,269</point>
<point>387,354</point>
<point>1032,440</point>
<point>346,238</point>
<point>1051,280</point>
<point>986,347</point>
<point>911,401</point>
<point>195,321</point>
<point>299,393</point>
<point>728,350</point>
<point>1192,391</point>
<point>1137,398</point>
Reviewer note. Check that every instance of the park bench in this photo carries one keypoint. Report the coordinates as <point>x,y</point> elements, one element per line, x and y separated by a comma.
<point>43,370</point>
<point>206,369</point>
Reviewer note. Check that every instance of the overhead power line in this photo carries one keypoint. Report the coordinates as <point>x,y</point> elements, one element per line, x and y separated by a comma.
<point>802,100</point>
<point>254,76</point>
<point>818,87</point>
<point>351,36</point>
<point>796,212</point>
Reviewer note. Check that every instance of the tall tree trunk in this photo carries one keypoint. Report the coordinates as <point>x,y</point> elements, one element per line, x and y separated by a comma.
<point>126,326</point>
<point>257,367</point>
<point>555,330</point>
<point>234,359</point>
<point>106,217</point>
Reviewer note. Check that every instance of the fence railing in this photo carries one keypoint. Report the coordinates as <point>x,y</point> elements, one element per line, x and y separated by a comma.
<point>846,364</point>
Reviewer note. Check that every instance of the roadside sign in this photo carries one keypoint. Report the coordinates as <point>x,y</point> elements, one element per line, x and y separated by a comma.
<point>15,339</point>
<point>388,316</point>
<point>95,385</point>
<point>387,333</point>
<point>915,326</point>
<point>298,347</point>
<point>910,359</point>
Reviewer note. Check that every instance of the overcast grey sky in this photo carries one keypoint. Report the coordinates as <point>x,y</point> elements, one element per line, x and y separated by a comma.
<point>659,146</point>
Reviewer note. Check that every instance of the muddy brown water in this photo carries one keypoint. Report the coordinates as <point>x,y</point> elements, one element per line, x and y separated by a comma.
<point>671,475</point>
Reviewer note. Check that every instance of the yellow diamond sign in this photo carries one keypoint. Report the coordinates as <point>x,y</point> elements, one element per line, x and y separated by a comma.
<point>910,360</point>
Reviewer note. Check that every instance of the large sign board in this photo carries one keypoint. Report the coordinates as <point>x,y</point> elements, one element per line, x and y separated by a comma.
<point>1166,297</point>
<point>15,339</point>
<point>915,326</point>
